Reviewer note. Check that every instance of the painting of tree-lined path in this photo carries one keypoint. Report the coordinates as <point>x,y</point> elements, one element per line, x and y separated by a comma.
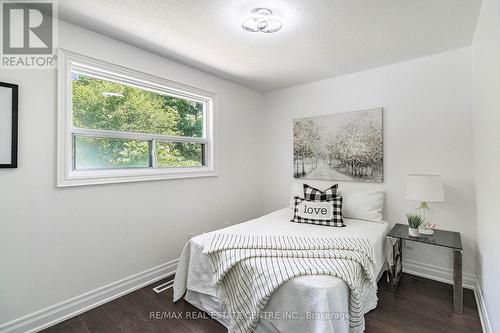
<point>342,146</point>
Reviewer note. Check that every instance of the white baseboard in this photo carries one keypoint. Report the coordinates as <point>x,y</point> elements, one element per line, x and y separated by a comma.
<point>481,307</point>
<point>436,273</point>
<point>59,312</point>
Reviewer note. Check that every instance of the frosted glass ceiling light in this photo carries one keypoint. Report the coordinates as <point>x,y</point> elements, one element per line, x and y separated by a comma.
<point>261,19</point>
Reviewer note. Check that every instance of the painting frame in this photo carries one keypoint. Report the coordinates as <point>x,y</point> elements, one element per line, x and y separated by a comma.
<point>13,110</point>
<point>345,146</point>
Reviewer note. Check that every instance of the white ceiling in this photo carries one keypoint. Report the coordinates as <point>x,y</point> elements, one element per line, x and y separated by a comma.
<point>319,39</point>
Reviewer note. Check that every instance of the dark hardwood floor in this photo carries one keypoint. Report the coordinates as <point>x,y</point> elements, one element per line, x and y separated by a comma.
<point>419,305</point>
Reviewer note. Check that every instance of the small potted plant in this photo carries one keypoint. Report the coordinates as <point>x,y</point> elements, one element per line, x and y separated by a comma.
<point>414,221</point>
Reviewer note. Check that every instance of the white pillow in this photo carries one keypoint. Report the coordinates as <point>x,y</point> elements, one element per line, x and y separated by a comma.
<point>360,201</point>
<point>361,204</point>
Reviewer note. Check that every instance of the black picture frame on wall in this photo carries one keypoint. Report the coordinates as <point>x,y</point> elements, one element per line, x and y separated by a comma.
<point>8,124</point>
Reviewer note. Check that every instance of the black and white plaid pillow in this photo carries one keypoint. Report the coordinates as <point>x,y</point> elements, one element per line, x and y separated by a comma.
<point>327,212</point>
<point>311,193</point>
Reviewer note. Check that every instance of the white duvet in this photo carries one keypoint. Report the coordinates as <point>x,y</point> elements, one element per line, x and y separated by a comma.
<point>322,300</point>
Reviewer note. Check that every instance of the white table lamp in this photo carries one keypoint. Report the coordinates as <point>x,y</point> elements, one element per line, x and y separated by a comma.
<point>425,188</point>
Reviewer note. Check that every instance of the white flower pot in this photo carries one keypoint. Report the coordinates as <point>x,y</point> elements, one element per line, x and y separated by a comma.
<point>413,232</point>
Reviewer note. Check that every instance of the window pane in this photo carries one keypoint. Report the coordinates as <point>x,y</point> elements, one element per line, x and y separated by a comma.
<point>106,105</point>
<point>107,153</point>
<point>174,154</point>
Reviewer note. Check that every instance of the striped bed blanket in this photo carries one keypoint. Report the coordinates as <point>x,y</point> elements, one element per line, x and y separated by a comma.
<point>251,268</point>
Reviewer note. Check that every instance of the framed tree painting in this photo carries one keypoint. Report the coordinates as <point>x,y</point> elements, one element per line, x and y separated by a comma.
<point>8,125</point>
<point>342,146</point>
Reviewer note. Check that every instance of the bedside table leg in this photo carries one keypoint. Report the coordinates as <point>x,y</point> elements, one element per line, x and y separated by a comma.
<point>458,291</point>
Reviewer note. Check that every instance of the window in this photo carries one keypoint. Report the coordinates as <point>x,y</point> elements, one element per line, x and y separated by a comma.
<point>119,125</point>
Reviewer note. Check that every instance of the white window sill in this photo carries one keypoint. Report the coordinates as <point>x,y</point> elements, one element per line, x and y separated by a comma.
<point>98,177</point>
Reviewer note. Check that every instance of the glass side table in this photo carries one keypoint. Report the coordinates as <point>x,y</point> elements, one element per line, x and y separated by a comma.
<point>442,238</point>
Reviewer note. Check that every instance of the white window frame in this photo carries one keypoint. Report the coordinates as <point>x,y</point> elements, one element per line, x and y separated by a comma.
<point>66,176</point>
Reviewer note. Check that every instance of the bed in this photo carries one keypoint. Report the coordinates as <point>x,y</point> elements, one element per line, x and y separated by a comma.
<point>320,301</point>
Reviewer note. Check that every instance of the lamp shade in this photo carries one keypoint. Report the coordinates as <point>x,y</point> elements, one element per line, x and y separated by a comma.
<point>421,187</point>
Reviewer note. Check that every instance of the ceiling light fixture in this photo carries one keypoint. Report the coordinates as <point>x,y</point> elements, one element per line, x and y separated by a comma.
<point>261,19</point>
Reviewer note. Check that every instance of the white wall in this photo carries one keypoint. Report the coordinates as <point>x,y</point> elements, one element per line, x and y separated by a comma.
<point>427,129</point>
<point>59,243</point>
<point>486,75</point>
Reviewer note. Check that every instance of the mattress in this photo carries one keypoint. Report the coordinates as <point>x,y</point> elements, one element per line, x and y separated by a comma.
<point>313,303</point>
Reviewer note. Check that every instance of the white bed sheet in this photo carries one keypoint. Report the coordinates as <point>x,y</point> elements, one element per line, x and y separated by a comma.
<point>324,298</point>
